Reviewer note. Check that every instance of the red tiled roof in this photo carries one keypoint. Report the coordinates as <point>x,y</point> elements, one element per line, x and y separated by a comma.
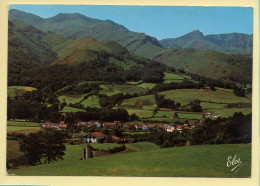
<point>98,134</point>
<point>115,137</point>
<point>63,126</point>
<point>109,123</point>
<point>179,127</point>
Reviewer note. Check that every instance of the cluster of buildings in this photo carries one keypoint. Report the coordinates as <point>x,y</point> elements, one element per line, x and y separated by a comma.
<point>210,115</point>
<point>167,127</point>
<point>96,137</point>
<point>117,124</point>
<point>63,126</point>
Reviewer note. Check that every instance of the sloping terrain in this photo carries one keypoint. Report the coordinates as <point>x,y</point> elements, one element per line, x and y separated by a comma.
<point>79,26</point>
<point>27,47</point>
<point>173,162</point>
<point>208,63</point>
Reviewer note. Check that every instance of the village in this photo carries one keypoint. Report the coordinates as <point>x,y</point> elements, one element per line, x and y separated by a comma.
<point>98,137</point>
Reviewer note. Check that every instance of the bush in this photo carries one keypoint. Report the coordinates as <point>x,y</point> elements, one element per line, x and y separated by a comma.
<point>117,149</point>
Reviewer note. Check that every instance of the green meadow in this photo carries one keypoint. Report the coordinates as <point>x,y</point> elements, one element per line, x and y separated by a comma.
<point>187,161</point>
<point>71,98</point>
<point>13,91</point>
<point>71,109</point>
<point>109,89</point>
<point>147,85</point>
<point>173,78</point>
<point>184,96</point>
<point>22,126</point>
<point>102,146</point>
<point>143,146</point>
<point>24,129</point>
<point>139,112</point>
<point>91,101</point>
<point>22,123</point>
<point>140,101</point>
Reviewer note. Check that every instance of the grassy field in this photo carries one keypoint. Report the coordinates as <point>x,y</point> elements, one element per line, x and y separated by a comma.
<point>140,101</point>
<point>173,78</point>
<point>102,146</point>
<point>13,91</point>
<point>139,112</point>
<point>72,109</point>
<point>189,115</point>
<point>16,128</point>
<point>91,101</point>
<point>163,114</point>
<point>221,110</point>
<point>189,161</point>
<point>109,89</point>
<point>184,96</point>
<point>22,123</point>
<point>230,112</point>
<point>148,107</point>
<point>147,85</point>
<point>143,146</point>
<point>70,98</point>
<point>21,126</point>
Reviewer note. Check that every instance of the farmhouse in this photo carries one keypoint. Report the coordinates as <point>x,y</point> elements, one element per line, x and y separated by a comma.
<point>95,137</point>
<point>179,128</point>
<point>54,125</point>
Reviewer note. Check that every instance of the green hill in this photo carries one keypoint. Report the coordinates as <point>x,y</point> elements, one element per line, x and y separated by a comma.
<point>174,162</point>
<point>79,26</point>
<point>208,63</point>
<point>233,43</point>
<point>27,47</point>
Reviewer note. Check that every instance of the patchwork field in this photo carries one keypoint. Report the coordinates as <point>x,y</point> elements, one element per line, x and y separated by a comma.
<point>22,127</point>
<point>139,112</point>
<point>109,89</point>
<point>140,101</point>
<point>222,110</point>
<point>13,91</point>
<point>195,161</point>
<point>91,101</point>
<point>184,96</point>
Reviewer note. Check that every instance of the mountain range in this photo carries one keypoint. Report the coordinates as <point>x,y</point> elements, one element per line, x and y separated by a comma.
<point>79,26</point>
<point>74,39</point>
<point>234,43</point>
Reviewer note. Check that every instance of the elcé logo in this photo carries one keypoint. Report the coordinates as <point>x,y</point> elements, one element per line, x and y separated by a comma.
<point>233,161</point>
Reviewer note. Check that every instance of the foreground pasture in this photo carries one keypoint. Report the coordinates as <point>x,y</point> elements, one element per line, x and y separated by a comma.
<point>189,161</point>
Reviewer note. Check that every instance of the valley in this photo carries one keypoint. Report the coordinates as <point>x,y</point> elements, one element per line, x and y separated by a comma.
<point>140,106</point>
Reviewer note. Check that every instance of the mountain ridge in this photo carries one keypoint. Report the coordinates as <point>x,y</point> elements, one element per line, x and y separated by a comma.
<point>233,43</point>
<point>81,26</point>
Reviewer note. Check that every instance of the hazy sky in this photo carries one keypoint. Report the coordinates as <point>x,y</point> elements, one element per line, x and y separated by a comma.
<point>159,21</point>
